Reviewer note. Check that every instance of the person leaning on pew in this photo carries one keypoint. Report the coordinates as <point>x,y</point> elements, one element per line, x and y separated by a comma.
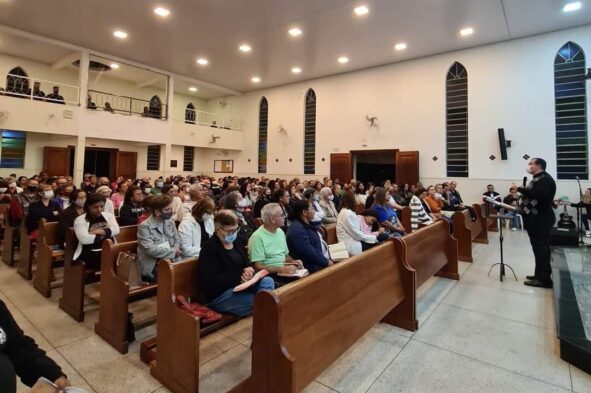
<point>157,237</point>
<point>92,228</point>
<point>223,264</point>
<point>20,355</point>
<point>267,247</point>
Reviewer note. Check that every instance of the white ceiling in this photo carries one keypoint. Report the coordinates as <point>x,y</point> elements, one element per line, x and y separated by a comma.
<point>215,28</point>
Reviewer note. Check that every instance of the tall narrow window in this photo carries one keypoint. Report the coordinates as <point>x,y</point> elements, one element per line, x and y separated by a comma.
<point>153,162</point>
<point>456,112</point>
<point>310,134</point>
<point>188,154</point>
<point>190,113</point>
<point>263,128</point>
<point>13,147</point>
<point>570,95</point>
<point>17,81</point>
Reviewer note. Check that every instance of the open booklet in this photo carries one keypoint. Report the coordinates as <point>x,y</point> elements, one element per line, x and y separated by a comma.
<point>338,252</point>
<point>44,385</point>
<point>299,273</point>
<point>247,284</point>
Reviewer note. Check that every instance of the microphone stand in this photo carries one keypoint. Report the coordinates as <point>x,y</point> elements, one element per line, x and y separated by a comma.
<point>502,264</point>
<point>580,214</point>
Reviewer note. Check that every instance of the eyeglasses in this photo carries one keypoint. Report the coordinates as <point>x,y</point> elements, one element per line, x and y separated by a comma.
<point>229,231</point>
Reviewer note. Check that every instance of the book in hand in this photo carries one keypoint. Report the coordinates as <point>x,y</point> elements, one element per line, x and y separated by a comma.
<point>299,273</point>
<point>338,252</point>
<point>247,284</point>
<point>44,385</point>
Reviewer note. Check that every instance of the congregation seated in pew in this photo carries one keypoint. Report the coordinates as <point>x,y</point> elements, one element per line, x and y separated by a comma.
<point>193,229</point>
<point>132,207</point>
<point>224,264</point>
<point>304,241</point>
<point>387,216</point>
<point>68,215</point>
<point>157,237</point>
<point>92,228</point>
<point>45,207</point>
<point>419,215</point>
<point>349,228</point>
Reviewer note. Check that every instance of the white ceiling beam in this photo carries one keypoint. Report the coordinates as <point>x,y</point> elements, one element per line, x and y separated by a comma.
<point>150,81</point>
<point>66,61</point>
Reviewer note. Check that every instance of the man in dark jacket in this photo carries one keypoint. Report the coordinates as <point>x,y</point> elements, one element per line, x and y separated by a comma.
<point>538,219</point>
<point>19,355</point>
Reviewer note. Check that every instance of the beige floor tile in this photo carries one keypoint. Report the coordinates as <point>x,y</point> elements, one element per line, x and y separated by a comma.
<point>435,289</point>
<point>240,331</point>
<point>581,380</point>
<point>316,387</point>
<point>422,368</point>
<point>225,371</point>
<point>514,346</point>
<point>357,368</point>
<point>214,345</point>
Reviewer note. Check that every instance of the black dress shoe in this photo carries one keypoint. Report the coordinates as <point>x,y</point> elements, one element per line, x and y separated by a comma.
<point>538,283</point>
<point>530,277</point>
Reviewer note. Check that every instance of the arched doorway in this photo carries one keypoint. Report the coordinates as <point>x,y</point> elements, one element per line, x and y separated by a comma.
<point>17,81</point>
<point>190,113</point>
<point>155,109</point>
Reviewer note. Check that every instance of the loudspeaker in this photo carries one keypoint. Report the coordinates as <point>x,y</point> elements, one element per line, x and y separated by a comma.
<point>502,143</point>
<point>564,237</point>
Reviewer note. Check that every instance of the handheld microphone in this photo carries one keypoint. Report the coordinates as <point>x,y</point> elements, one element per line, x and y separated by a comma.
<point>524,181</point>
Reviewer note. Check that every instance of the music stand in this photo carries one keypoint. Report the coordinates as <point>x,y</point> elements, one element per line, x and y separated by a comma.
<point>502,264</point>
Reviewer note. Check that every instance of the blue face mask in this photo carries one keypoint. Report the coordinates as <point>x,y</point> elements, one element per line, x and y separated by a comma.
<point>230,238</point>
<point>166,215</point>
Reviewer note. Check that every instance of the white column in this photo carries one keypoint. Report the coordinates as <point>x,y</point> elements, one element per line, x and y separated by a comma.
<point>83,78</point>
<point>167,151</point>
<point>170,98</point>
<point>79,159</point>
<point>167,156</point>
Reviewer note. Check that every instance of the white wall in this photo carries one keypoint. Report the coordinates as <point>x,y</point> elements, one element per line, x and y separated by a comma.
<point>510,86</point>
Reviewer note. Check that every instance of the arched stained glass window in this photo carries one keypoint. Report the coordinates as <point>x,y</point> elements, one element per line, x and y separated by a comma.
<point>263,128</point>
<point>456,112</point>
<point>310,133</point>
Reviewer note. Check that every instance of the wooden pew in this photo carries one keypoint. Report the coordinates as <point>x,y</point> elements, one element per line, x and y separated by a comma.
<point>405,219</point>
<point>359,208</point>
<point>76,276</point>
<point>176,363</point>
<point>47,257</point>
<point>293,344</point>
<point>430,251</point>
<point>24,265</point>
<point>3,218</point>
<point>116,297</point>
<point>10,243</point>
<point>468,231</point>
<point>331,234</point>
<point>491,223</point>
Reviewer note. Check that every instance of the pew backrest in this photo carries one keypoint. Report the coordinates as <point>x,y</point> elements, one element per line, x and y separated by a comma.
<point>48,232</point>
<point>405,219</point>
<point>110,253</point>
<point>331,234</point>
<point>293,344</point>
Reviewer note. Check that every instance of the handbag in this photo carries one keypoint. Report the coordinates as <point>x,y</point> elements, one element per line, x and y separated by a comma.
<point>128,269</point>
<point>205,314</point>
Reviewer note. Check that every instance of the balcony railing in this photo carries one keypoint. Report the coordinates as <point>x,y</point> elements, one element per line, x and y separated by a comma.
<point>214,120</point>
<point>124,105</point>
<point>25,87</point>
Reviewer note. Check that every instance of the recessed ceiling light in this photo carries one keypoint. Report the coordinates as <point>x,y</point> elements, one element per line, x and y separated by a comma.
<point>400,46</point>
<point>466,31</point>
<point>245,48</point>
<point>255,79</point>
<point>343,59</point>
<point>361,10</point>
<point>295,32</point>
<point>296,70</point>
<point>193,89</point>
<point>161,11</point>
<point>572,6</point>
<point>202,61</point>
<point>114,66</point>
<point>120,34</point>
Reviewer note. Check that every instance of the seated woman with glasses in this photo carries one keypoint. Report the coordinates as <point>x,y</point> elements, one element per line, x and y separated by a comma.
<point>223,265</point>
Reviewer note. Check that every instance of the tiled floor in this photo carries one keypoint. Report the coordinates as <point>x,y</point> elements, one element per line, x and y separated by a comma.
<point>475,335</point>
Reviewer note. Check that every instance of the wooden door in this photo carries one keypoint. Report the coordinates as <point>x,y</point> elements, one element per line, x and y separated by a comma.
<point>56,161</point>
<point>126,164</point>
<point>407,167</point>
<point>341,167</point>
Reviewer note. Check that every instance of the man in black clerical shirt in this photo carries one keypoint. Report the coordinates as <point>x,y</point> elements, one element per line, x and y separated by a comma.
<point>539,219</point>
<point>55,96</point>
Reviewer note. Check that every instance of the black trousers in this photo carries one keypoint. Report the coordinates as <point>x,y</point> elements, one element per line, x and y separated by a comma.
<point>538,229</point>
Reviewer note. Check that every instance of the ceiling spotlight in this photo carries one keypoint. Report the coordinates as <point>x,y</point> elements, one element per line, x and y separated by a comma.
<point>361,10</point>
<point>343,60</point>
<point>572,6</point>
<point>202,61</point>
<point>114,66</point>
<point>255,79</point>
<point>120,34</point>
<point>466,31</point>
<point>193,89</point>
<point>296,70</point>
<point>161,11</point>
<point>400,46</point>
<point>245,48</point>
<point>295,32</point>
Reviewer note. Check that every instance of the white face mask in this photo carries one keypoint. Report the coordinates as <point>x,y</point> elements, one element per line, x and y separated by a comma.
<point>331,197</point>
<point>48,194</point>
<point>242,203</point>
<point>159,184</point>
<point>147,190</point>
<point>3,190</point>
<point>187,197</point>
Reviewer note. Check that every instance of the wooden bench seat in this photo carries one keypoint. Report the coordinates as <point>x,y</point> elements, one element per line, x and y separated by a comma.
<point>116,296</point>
<point>10,243</point>
<point>48,257</point>
<point>175,350</point>
<point>24,264</point>
<point>76,275</point>
<point>430,251</point>
<point>293,344</point>
<point>331,234</point>
<point>468,231</point>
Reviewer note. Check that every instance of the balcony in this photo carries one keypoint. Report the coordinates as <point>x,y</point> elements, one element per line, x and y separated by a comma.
<point>209,130</point>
